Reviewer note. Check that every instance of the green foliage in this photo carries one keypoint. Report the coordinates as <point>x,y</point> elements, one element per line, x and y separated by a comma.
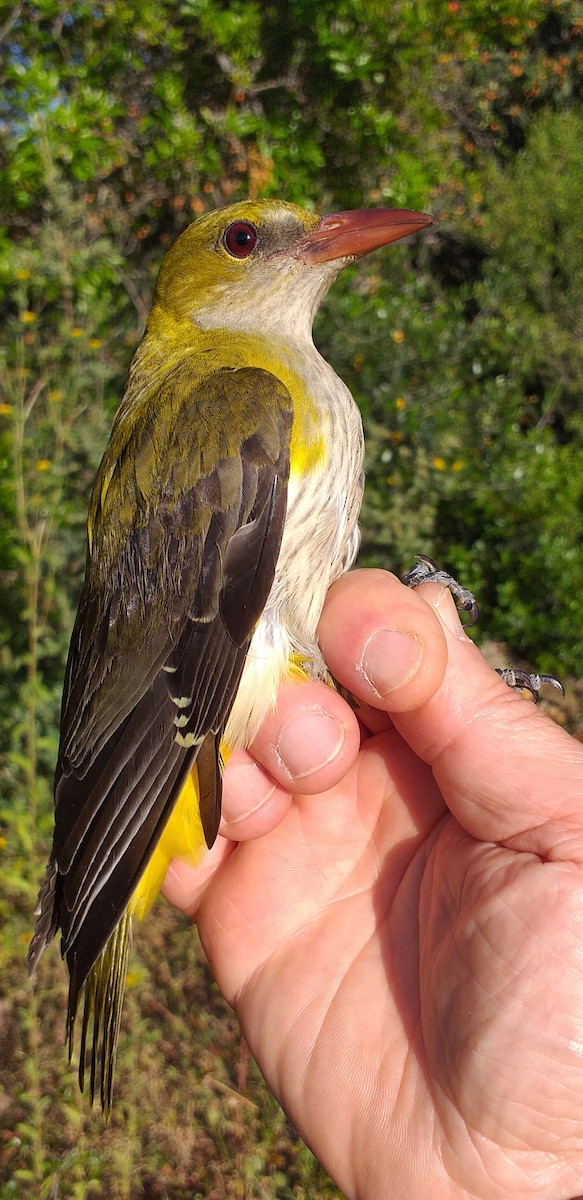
<point>118,124</point>
<point>533,275</point>
<point>520,548</point>
<point>54,373</point>
<point>471,392</point>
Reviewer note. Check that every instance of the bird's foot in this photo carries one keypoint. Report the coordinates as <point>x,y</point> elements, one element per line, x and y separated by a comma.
<point>524,681</point>
<point>427,571</point>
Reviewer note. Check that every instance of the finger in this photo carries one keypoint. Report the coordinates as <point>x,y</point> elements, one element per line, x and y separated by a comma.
<point>253,803</point>
<point>506,771</point>
<point>185,885</point>
<point>382,641</point>
<point>306,745</point>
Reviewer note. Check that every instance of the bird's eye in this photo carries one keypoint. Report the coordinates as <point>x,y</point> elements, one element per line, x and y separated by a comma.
<point>240,239</point>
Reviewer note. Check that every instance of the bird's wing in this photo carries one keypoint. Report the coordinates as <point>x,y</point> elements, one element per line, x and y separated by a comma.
<point>180,567</point>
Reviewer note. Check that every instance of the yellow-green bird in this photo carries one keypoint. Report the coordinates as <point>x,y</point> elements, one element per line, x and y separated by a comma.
<point>226,502</point>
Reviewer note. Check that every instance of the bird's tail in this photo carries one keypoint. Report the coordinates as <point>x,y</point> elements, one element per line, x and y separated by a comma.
<point>104,992</point>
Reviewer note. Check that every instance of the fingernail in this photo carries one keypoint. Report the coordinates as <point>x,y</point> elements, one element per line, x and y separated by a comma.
<point>308,742</point>
<point>448,613</point>
<point>389,660</point>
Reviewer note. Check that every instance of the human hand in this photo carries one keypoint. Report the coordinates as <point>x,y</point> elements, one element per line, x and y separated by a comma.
<point>400,930</point>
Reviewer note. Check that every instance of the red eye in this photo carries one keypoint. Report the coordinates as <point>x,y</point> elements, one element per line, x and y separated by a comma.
<point>240,239</point>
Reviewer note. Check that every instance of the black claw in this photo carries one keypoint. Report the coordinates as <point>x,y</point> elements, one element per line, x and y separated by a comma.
<point>522,681</point>
<point>427,571</point>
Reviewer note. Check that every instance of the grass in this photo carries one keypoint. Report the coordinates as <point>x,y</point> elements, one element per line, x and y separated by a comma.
<point>192,1116</point>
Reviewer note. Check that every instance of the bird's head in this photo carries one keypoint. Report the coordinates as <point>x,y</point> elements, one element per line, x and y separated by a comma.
<point>265,265</point>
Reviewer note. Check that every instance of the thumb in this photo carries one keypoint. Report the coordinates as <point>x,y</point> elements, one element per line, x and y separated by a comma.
<point>505,770</point>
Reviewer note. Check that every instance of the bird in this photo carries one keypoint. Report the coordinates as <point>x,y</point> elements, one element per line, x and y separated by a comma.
<point>226,503</point>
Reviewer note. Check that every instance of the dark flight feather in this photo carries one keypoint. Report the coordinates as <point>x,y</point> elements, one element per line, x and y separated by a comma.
<point>171,598</point>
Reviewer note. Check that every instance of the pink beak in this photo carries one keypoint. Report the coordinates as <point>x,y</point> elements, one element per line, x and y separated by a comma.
<point>354,233</point>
